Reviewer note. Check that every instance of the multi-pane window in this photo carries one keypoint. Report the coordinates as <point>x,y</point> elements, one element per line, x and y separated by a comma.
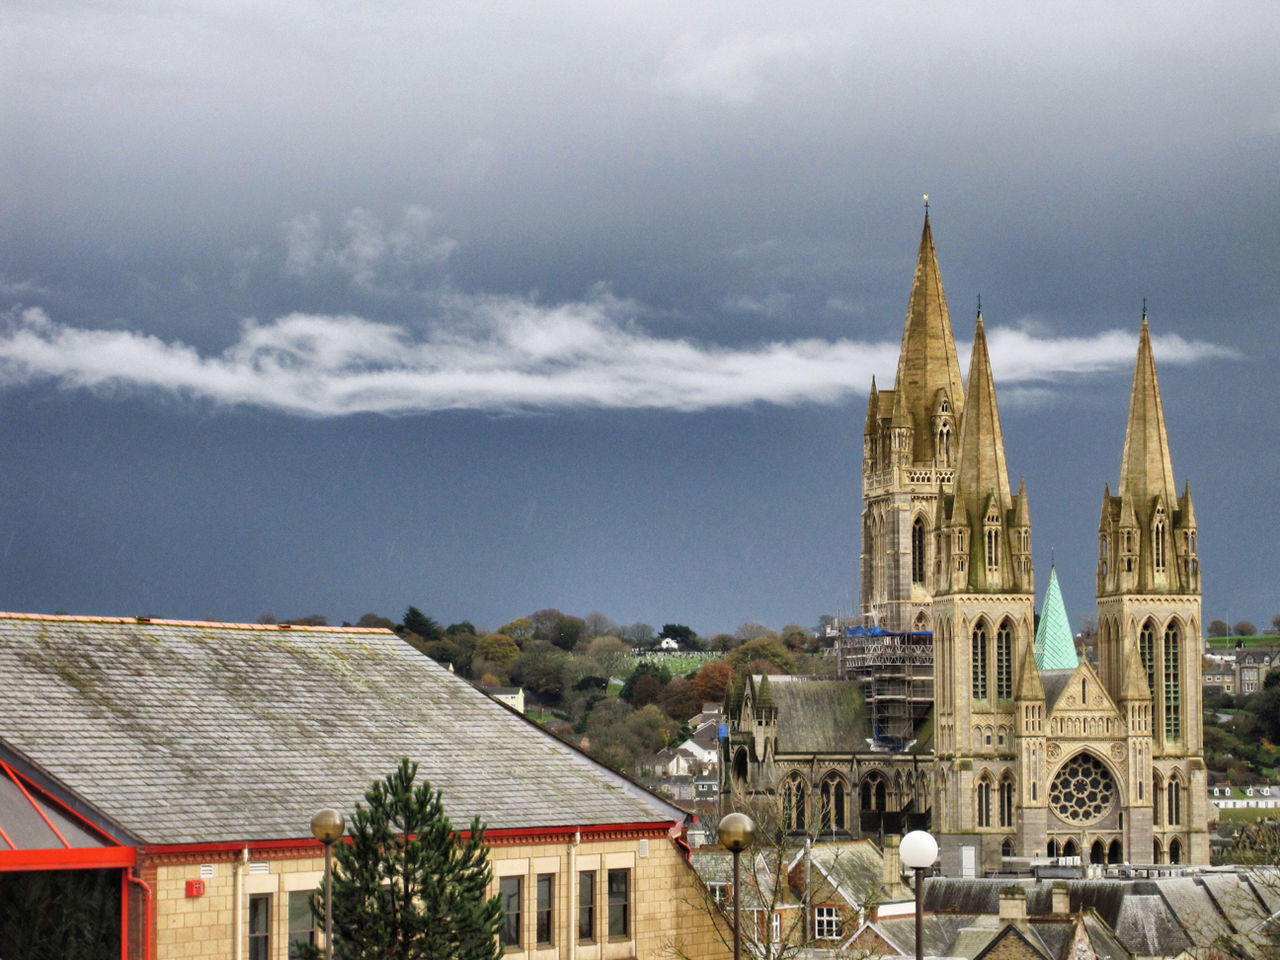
<point>993,549</point>
<point>1147,650</point>
<point>978,657</point>
<point>1006,803</point>
<point>1004,661</point>
<point>1175,804</point>
<point>826,923</point>
<point>260,927</point>
<point>1172,683</point>
<point>833,797</point>
<point>794,801</point>
<point>302,927</point>
<point>509,890</point>
<point>544,913</point>
<point>586,905</point>
<point>619,903</point>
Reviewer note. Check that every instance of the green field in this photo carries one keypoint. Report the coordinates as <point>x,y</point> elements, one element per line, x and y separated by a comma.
<point>1257,640</point>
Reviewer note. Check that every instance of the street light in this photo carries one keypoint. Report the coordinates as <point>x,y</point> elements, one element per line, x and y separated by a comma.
<point>918,850</point>
<point>327,826</point>
<point>736,833</point>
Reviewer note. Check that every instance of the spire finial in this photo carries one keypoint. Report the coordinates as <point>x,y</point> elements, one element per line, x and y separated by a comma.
<point>1144,309</point>
<point>926,206</point>
<point>1051,558</point>
<point>979,304</point>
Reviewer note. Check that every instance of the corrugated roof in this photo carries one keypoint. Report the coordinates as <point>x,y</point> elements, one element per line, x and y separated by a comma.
<point>1055,647</point>
<point>820,716</point>
<point>191,732</point>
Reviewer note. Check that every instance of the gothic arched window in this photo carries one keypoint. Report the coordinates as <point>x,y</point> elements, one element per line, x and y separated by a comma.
<point>793,803</point>
<point>1004,661</point>
<point>1006,802</point>
<point>833,802</point>
<point>984,801</point>
<point>917,551</point>
<point>978,658</point>
<point>1147,650</point>
<point>1174,802</point>
<point>874,791</point>
<point>1172,682</point>
<point>1158,540</point>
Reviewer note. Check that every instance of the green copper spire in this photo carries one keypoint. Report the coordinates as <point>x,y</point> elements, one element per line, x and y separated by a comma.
<point>1055,647</point>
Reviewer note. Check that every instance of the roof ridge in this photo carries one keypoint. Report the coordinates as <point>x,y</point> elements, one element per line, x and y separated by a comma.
<point>85,618</point>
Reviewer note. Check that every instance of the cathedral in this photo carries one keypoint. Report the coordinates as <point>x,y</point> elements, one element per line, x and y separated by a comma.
<point>1023,749</point>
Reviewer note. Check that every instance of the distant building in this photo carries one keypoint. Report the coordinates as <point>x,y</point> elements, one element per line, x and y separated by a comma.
<point>168,771</point>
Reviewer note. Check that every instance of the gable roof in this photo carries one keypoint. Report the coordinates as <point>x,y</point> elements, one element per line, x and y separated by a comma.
<point>819,716</point>
<point>184,732</point>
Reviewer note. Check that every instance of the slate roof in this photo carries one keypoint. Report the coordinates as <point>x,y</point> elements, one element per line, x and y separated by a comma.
<point>819,716</point>
<point>1053,682</point>
<point>1147,917</point>
<point>196,732</point>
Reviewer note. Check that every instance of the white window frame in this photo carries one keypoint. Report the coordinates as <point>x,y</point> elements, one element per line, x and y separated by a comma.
<point>826,923</point>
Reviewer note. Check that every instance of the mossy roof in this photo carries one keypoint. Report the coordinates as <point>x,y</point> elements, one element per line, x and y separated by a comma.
<point>183,732</point>
<point>819,716</point>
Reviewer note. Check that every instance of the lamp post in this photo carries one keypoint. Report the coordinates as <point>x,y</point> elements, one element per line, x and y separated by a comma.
<point>327,826</point>
<point>918,850</point>
<point>736,833</point>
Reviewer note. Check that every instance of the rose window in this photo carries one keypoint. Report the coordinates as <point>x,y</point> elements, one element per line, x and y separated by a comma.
<point>1083,790</point>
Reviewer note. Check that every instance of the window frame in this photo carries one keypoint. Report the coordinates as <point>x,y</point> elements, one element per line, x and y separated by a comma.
<point>619,916</point>
<point>297,935</point>
<point>826,923</point>
<point>544,915</point>
<point>259,934</point>
<point>587,907</point>
<point>512,920</point>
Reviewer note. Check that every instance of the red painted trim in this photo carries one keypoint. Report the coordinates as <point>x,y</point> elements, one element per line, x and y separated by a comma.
<point>657,827</point>
<point>38,809</point>
<point>68,858</point>
<point>68,811</point>
<point>5,837</point>
<point>147,935</point>
<point>124,916</point>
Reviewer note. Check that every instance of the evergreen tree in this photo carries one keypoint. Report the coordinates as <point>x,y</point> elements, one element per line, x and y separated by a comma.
<point>405,888</point>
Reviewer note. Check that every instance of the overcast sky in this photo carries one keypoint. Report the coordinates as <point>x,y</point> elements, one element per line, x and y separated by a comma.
<point>333,308</point>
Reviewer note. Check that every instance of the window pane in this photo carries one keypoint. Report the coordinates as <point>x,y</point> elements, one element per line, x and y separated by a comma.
<point>586,906</point>
<point>545,887</point>
<point>259,927</point>
<point>301,925</point>
<point>619,893</point>
<point>509,891</point>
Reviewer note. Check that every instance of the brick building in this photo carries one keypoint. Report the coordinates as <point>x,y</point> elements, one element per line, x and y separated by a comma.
<point>157,780</point>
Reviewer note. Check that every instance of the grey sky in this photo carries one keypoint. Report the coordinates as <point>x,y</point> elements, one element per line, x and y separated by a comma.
<point>581,210</point>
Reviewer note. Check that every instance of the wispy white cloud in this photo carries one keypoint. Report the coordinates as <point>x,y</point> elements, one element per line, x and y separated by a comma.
<point>505,354</point>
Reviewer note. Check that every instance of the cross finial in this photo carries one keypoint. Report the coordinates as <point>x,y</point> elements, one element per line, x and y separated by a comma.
<point>926,204</point>
<point>979,304</point>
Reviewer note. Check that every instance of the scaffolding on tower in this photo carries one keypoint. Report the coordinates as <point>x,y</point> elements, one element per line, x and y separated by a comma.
<point>894,672</point>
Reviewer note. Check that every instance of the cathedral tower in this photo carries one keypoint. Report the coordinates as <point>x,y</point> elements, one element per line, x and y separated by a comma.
<point>1149,620</point>
<point>910,446</point>
<point>983,630</point>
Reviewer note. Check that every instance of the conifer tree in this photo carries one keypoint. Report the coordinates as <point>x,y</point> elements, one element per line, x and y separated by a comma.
<point>405,888</point>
